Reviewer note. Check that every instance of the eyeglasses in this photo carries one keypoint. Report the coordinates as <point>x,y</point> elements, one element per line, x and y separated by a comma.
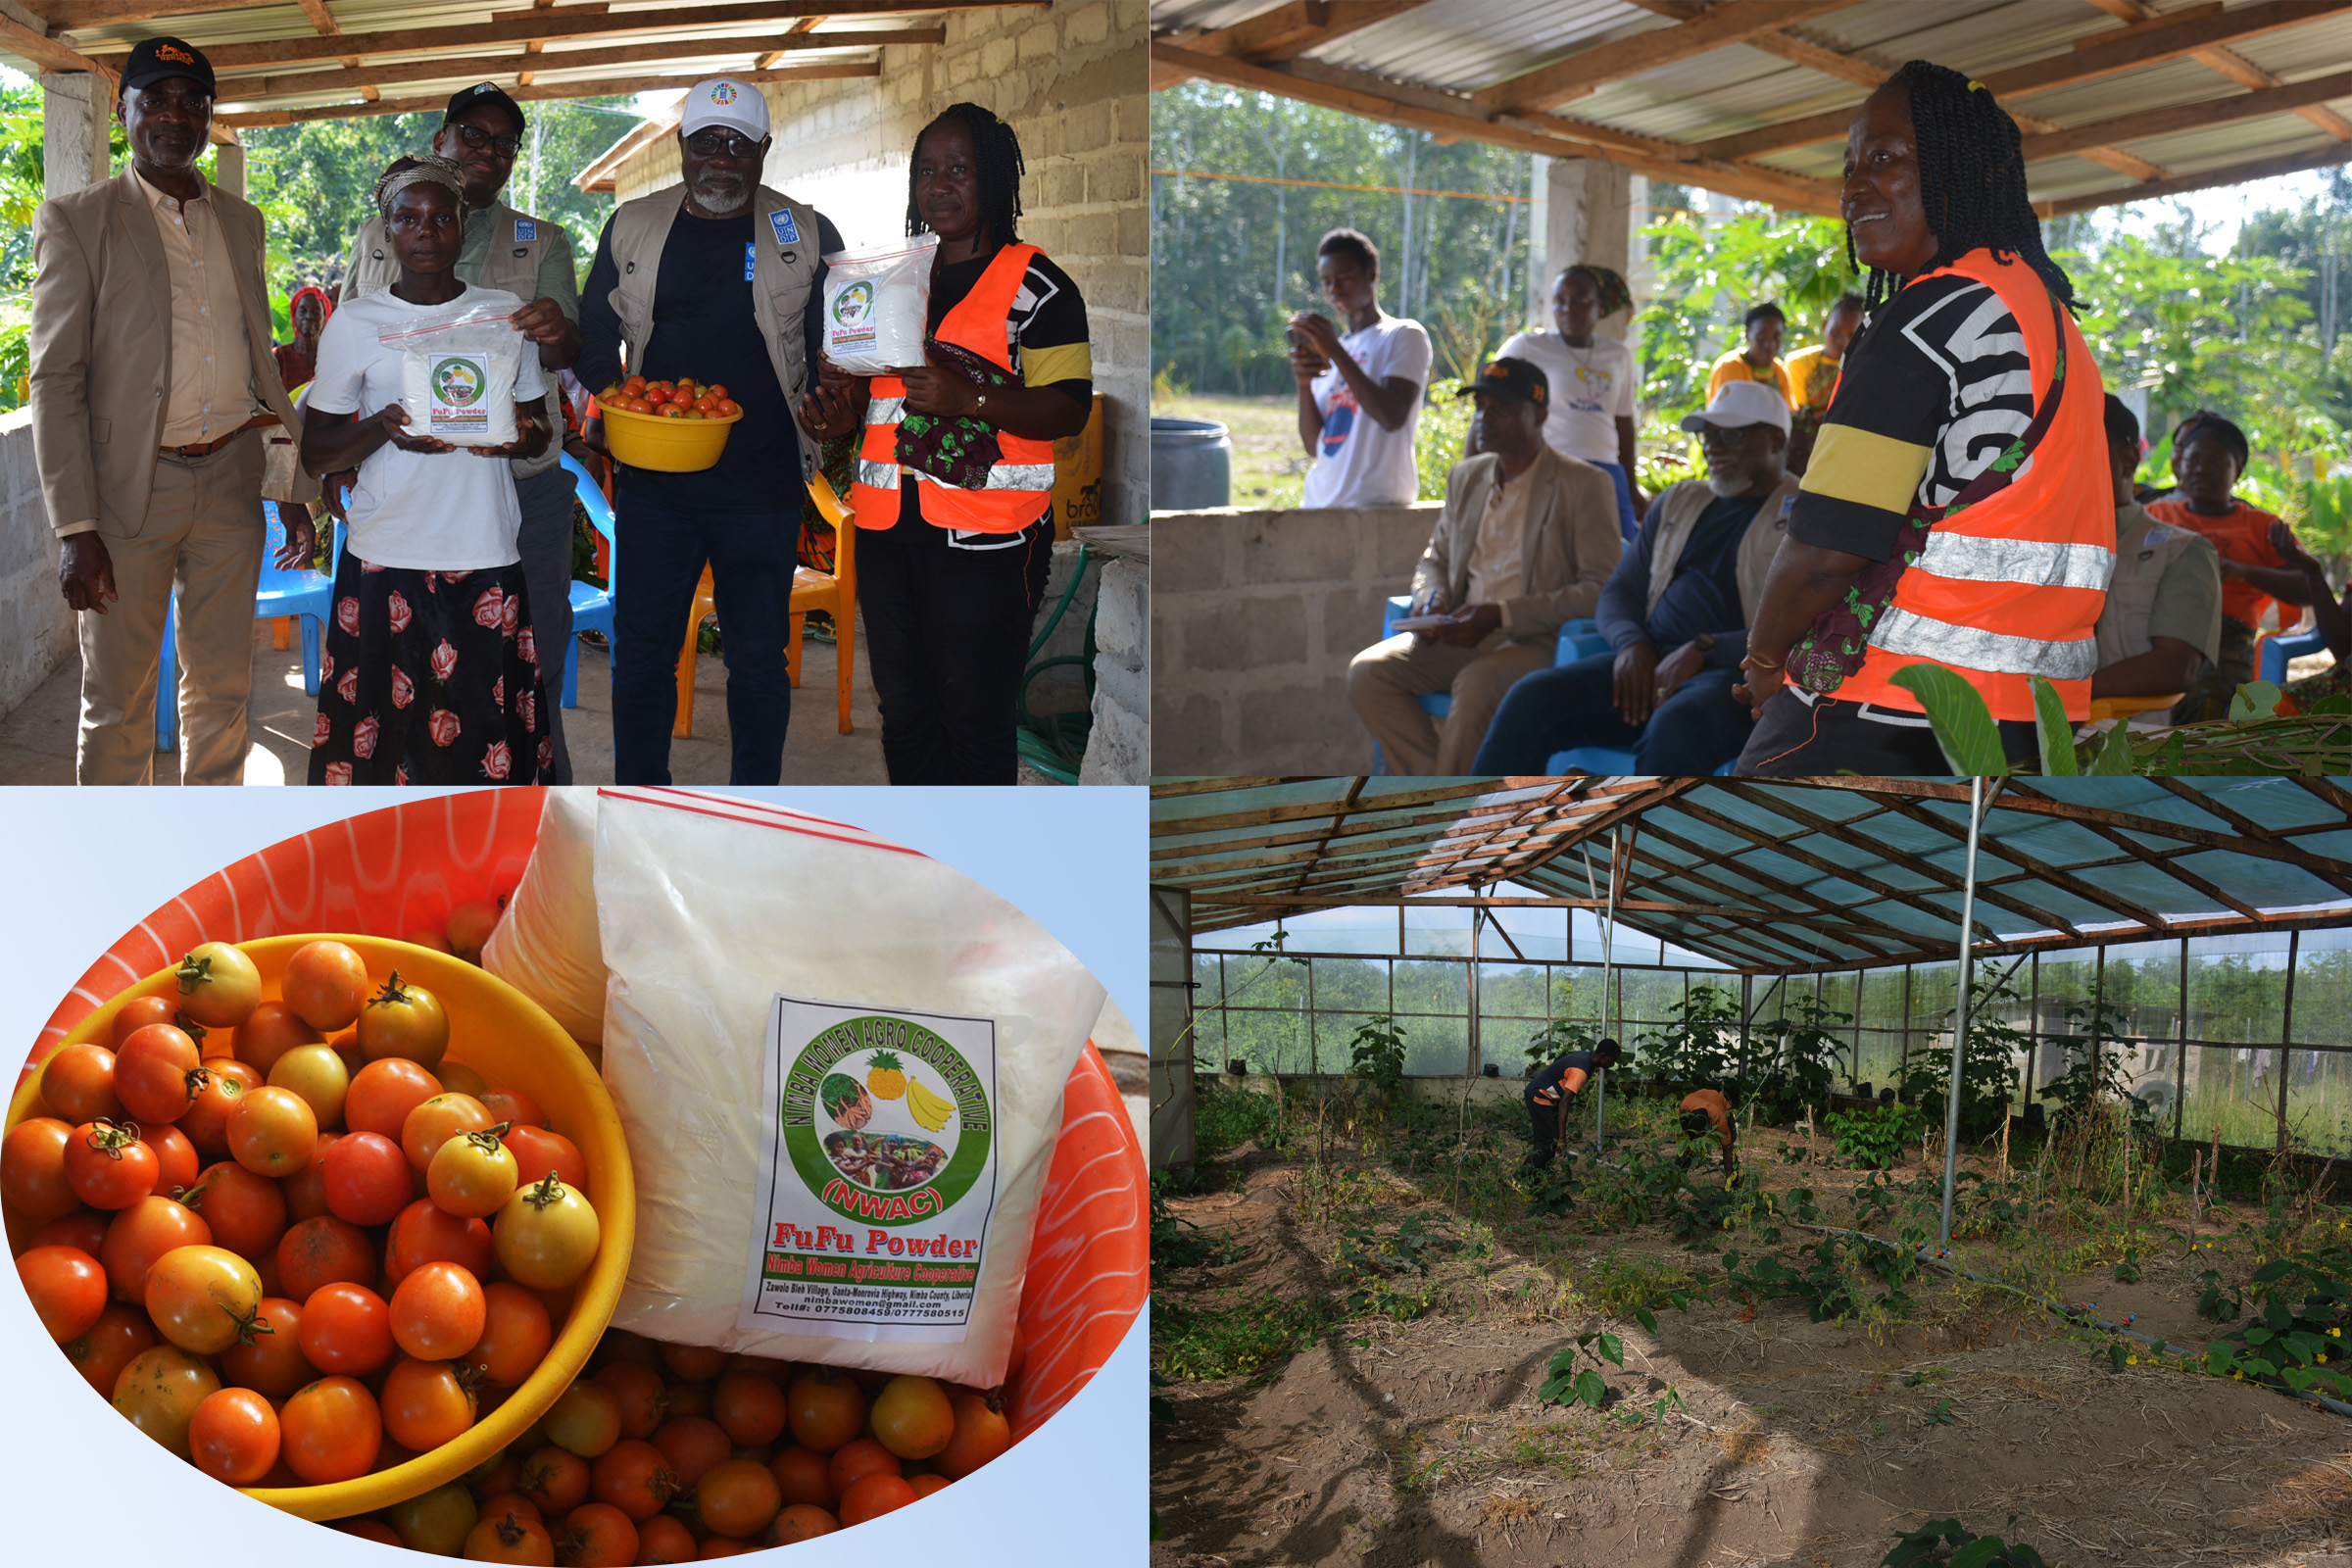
<point>475,137</point>
<point>1738,435</point>
<point>711,143</point>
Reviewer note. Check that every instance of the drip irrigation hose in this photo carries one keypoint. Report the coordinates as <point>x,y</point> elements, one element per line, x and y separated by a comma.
<point>1054,744</point>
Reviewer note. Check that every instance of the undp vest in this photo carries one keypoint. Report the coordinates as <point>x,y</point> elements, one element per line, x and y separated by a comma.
<point>2011,587</point>
<point>1021,482</point>
<point>517,242</point>
<point>2144,551</point>
<point>784,244</point>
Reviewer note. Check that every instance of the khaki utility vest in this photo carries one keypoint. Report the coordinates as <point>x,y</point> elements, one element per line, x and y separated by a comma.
<point>517,242</point>
<point>785,245</point>
<point>1682,505</point>
<point>2144,551</point>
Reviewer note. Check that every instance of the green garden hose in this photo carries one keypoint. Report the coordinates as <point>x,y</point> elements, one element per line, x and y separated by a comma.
<point>1054,744</point>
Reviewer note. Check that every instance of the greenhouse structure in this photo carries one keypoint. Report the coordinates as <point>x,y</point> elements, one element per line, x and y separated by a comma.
<point>2214,916</point>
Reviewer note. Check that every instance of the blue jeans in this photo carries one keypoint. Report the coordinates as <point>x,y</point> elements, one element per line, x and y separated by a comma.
<point>661,555</point>
<point>1627,523</point>
<point>1693,732</point>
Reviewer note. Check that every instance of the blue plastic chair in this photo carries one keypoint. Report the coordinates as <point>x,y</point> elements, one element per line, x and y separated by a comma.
<point>1578,639</point>
<point>301,592</point>
<point>2277,652</point>
<point>591,605</point>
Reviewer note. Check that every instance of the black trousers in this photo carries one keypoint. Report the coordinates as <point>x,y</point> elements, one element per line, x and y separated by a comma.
<point>1792,740</point>
<point>1547,1129</point>
<point>947,637</point>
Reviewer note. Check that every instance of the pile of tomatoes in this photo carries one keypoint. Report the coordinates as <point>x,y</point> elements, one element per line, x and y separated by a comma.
<point>287,1237</point>
<point>675,1453</point>
<point>682,399</point>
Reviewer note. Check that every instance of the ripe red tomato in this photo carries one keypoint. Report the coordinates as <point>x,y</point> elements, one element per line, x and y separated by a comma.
<point>368,1179</point>
<point>633,1477</point>
<point>102,1350</point>
<point>158,1073</point>
<point>546,1236</point>
<point>203,1298</point>
<point>511,1106</point>
<point>78,1085</point>
<point>404,1020</point>
<point>219,985</point>
<point>332,1430</point>
<point>554,1479</point>
<point>306,1190</point>
<point>871,1495</point>
<point>737,1498</point>
<point>247,1213</point>
<point>438,1121</point>
<point>346,1329</point>
<point>322,1251</point>
<point>108,1167</point>
<point>537,1150</point>
<point>325,982</point>
<point>597,1535</point>
<point>425,1233</point>
<point>273,1132</point>
<point>644,1397</point>
<point>804,1476</point>
<point>425,1403</point>
<point>159,1392</point>
<point>137,1014</point>
<point>32,1169</point>
<point>857,1459</point>
<point>225,1083</point>
<point>233,1437</point>
<point>274,1030</point>
<point>383,1093</point>
<point>68,1288</point>
<point>516,1332</point>
<point>272,1363</point>
<point>141,1234</point>
<point>692,1444</point>
<point>83,1230</point>
<point>175,1159</point>
<point>751,1408</point>
<point>718,391</point>
<point>438,1313</point>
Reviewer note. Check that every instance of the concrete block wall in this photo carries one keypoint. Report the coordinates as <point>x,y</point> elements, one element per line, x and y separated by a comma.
<point>1119,749</point>
<point>1072,81</point>
<point>37,629</point>
<point>1254,616</point>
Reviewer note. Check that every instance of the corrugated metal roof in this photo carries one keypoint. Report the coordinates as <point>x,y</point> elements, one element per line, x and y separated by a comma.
<point>1771,875</point>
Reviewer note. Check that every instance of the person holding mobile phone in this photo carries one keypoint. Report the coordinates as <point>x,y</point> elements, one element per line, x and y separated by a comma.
<point>1359,387</point>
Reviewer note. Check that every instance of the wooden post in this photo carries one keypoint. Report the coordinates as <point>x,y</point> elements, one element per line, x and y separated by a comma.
<point>2180,1068</point>
<point>2286,1029</point>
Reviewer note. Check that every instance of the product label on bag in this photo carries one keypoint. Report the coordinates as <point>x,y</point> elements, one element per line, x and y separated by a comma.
<point>878,1170</point>
<point>455,383</point>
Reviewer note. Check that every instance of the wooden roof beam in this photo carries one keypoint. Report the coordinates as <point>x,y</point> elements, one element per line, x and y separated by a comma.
<point>1590,70</point>
<point>543,92</point>
<point>1853,920</point>
<point>2235,66</point>
<point>1294,27</point>
<point>2187,117</point>
<point>1651,792</point>
<point>2168,38</point>
<point>1307,810</point>
<point>1990,844</point>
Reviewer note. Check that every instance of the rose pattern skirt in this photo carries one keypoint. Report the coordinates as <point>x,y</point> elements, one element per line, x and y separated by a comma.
<point>429,677</point>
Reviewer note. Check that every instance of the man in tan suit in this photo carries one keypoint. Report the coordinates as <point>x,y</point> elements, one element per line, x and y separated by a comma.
<point>1525,541</point>
<point>152,386</point>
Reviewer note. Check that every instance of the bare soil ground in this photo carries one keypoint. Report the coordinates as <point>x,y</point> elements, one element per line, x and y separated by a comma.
<point>1403,1443</point>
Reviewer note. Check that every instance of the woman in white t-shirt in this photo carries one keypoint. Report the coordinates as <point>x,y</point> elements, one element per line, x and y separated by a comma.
<point>430,674</point>
<point>1359,393</point>
<point>1592,380</point>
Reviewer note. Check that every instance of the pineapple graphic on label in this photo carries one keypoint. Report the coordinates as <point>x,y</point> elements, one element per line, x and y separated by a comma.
<point>884,1076</point>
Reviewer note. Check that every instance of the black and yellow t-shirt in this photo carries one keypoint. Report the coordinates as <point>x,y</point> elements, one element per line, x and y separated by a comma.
<point>1932,391</point>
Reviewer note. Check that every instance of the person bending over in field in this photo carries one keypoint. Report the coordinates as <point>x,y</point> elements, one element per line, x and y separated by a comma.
<point>1550,1091</point>
<point>1703,1110</point>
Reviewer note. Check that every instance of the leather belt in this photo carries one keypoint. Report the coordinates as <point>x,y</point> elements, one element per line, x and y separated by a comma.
<point>211,447</point>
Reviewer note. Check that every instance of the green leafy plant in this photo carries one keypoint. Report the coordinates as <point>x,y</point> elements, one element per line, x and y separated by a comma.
<point>1557,1038</point>
<point>1243,1339</point>
<point>1931,1540</point>
<point>1376,1053</point>
<point>1697,1044</point>
<point>1799,1058</point>
<point>1875,1138</point>
<point>2222,1304</point>
<point>1989,1059</point>
<point>2095,1068</point>
<point>1551,1197</point>
<point>1575,1375</point>
<point>2302,1303</point>
<point>1939,1414</point>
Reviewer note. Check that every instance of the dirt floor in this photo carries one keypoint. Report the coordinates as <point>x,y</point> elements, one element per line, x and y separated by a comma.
<point>1401,1444</point>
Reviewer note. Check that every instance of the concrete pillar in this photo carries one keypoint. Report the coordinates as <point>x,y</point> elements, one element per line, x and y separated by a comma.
<point>76,112</point>
<point>1539,268</point>
<point>228,167</point>
<point>1589,220</point>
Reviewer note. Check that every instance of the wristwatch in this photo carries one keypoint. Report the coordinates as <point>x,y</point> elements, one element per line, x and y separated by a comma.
<point>1704,642</point>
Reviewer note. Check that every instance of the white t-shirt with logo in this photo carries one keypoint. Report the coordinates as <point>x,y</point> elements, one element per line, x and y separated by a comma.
<point>1358,463</point>
<point>1591,389</point>
<point>428,512</point>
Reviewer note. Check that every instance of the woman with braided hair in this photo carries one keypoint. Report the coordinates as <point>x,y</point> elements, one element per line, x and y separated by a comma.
<point>429,674</point>
<point>954,492</point>
<point>1957,510</point>
<point>1591,379</point>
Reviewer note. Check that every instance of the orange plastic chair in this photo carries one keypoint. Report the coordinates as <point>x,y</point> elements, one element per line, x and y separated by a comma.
<point>2103,709</point>
<point>834,593</point>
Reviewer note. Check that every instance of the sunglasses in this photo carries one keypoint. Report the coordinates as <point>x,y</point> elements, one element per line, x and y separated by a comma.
<point>711,143</point>
<point>477,139</point>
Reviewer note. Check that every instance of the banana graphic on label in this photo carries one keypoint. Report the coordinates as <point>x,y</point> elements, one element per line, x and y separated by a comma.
<point>931,1112</point>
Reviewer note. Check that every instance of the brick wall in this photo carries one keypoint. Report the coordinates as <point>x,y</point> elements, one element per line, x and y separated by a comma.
<point>1254,617</point>
<point>37,629</point>
<point>1070,78</point>
<point>1119,749</point>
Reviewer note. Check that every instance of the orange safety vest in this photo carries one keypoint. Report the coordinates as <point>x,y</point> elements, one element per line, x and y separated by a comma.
<point>1020,484</point>
<point>2012,586</point>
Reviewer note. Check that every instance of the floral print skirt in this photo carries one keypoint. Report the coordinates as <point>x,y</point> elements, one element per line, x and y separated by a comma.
<point>429,677</point>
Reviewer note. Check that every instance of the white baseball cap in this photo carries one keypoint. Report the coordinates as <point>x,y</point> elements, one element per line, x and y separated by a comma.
<point>724,102</point>
<point>1742,402</point>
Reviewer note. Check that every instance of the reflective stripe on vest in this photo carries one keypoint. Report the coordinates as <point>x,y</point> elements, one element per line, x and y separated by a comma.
<point>2011,587</point>
<point>1021,483</point>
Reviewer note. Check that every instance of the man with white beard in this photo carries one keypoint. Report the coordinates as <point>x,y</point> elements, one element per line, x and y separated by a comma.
<point>1689,584</point>
<point>720,279</point>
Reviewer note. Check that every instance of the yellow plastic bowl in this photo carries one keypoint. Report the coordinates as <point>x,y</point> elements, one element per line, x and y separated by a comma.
<point>506,1038</point>
<point>667,446</point>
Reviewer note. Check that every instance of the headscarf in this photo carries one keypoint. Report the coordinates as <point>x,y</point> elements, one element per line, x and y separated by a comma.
<point>326,303</point>
<point>1609,284</point>
<point>2206,422</point>
<point>404,172</point>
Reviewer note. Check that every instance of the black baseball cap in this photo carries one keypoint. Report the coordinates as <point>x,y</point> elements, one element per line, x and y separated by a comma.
<point>486,92</point>
<point>153,60</point>
<point>1513,378</point>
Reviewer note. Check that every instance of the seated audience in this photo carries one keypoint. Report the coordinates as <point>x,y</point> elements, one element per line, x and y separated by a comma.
<point>2163,618</point>
<point>1593,381</point>
<point>1758,358</point>
<point>1689,585</point>
<point>1525,542</point>
<point>2335,620</point>
<point>1359,391</point>
<point>1813,376</point>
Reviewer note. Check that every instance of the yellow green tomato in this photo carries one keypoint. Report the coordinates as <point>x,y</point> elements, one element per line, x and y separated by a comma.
<point>546,1235</point>
<point>436,1521</point>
